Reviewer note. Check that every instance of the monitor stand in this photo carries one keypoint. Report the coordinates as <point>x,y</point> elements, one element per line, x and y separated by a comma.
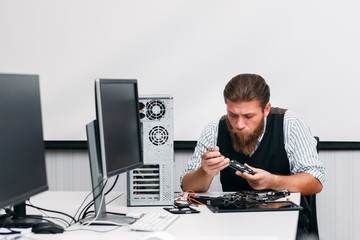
<point>98,184</point>
<point>20,219</point>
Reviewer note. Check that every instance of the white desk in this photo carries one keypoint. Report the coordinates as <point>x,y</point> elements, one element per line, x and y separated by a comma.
<point>205,225</point>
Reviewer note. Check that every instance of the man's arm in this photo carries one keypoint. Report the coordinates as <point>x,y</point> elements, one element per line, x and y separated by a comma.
<point>200,179</point>
<point>307,170</point>
<point>304,183</point>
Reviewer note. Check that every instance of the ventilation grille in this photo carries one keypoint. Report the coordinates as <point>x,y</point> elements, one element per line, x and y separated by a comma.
<point>167,191</point>
<point>153,110</point>
<point>146,183</point>
<point>158,135</point>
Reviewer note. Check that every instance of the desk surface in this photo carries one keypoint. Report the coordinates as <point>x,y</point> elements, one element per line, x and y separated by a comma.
<point>205,225</point>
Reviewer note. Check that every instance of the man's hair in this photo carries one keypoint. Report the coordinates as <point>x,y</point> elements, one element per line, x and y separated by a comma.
<point>247,87</point>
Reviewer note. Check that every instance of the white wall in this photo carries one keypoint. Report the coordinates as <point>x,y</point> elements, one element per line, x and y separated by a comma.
<point>307,50</point>
<point>337,204</point>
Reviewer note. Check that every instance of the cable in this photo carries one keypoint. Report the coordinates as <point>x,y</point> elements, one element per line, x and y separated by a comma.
<point>114,198</point>
<point>10,213</point>
<point>11,231</point>
<point>85,210</point>
<point>52,211</point>
<point>192,200</point>
<point>86,207</point>
<point>75,221</point>
<point>101,202</point>
<point>6,215</point>
<point>88,212</point>
<point>93,230</point>
<point>189,198</point>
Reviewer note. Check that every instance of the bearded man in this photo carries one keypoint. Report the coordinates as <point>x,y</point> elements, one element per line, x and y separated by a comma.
<point>275,143</point>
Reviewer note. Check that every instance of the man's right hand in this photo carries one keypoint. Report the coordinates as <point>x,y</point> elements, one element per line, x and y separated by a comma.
<point>213,162</point>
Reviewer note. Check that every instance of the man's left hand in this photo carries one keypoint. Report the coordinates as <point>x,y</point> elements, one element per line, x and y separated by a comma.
<point>260,180</point>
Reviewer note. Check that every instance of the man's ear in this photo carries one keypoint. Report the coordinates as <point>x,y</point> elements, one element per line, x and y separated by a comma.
<point>267,109</point>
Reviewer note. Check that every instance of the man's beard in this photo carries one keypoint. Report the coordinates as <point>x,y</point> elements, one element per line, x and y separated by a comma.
<point>245,141</point>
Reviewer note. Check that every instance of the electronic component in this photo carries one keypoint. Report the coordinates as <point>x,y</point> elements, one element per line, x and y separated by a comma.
<point>240,167</point>
<point>181,207</point>
<point>249,201</point>
<point>243,197</point>
<point>184,210</point>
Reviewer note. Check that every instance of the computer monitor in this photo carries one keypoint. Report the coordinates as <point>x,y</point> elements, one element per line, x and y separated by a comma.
<point>22,154</point>
<point>114,139</point>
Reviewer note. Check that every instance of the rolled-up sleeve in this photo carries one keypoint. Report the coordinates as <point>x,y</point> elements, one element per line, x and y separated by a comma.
<point>300,146</point>
<point>207,139</point>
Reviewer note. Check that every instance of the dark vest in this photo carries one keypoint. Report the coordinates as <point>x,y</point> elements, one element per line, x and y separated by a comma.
<point>270,154</point>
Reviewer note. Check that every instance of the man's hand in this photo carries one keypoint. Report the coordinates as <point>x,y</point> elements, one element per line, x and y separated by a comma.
<point>260,180</point>
<point>303,182</point>
<point>213,162</point>
<point>199,180</point>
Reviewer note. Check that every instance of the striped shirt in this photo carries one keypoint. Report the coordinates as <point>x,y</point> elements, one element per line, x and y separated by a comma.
<point>300,146</point>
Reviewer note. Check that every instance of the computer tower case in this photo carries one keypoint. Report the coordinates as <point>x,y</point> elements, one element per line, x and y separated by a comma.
<point>152,184</point>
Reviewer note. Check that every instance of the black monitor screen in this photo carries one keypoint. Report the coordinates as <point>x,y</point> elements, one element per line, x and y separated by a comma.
<point>114,141</point>
<point>119,125</point>
<point>22,159</point>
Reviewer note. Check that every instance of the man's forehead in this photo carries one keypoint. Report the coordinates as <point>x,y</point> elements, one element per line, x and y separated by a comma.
<point>244,107</point>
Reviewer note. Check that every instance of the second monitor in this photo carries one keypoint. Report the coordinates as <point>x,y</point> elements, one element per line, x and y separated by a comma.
<point>114,140</point>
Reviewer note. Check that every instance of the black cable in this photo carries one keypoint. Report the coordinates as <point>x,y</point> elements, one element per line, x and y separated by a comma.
<point>9,213</point>
<point>75,221</point>
<point>44,217</point>
<point>111,188</point>
<point>52,211</point>
<point>83,211</point>
<point>114,199</point>
<point>92,202</point>
<point>11,232</point>
<point>85,200</point>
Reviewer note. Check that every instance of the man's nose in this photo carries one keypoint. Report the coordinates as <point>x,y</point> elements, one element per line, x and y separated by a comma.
<point>240,123</point>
